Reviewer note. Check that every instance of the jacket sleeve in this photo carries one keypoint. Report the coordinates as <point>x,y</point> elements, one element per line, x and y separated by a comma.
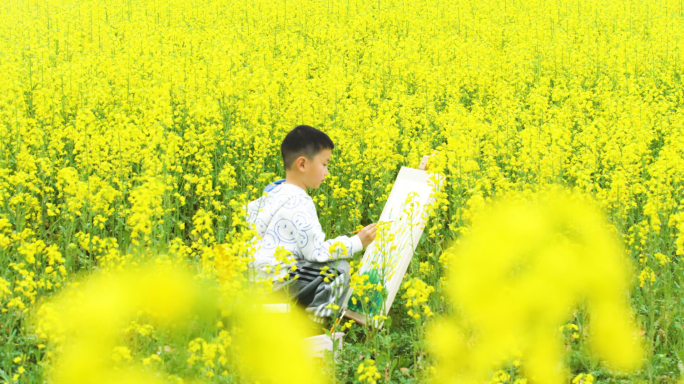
<point>311,239</point>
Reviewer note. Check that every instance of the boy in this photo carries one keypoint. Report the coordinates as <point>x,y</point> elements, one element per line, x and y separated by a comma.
<point>292,250</point>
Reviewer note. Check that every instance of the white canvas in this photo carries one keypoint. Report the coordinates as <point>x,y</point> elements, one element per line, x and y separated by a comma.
<point>390,263</point>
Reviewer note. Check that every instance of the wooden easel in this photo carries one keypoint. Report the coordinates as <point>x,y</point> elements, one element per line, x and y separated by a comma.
<point>423,166</point>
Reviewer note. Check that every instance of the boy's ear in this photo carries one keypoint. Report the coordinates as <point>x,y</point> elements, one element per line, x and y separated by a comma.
<point>300,163</point>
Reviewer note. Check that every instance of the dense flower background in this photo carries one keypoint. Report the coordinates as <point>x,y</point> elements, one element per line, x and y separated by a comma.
<point>137,130</point>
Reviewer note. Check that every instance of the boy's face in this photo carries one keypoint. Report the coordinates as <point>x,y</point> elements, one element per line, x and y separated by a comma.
<point>315,170</point>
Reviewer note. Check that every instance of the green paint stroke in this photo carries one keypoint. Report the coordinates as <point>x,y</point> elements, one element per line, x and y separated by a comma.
<point>376,298</point>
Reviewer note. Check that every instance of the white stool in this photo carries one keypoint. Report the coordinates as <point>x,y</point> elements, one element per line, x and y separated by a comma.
<point>314,344</point>
<point>317,344</point>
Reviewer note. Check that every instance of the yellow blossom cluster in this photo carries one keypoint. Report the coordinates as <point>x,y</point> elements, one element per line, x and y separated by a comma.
<point>646,276</point>
<point>368,372</point>
<point>583,378</point>
<point>214,356</point>
<point>573,329</point>
<point>416,295</point>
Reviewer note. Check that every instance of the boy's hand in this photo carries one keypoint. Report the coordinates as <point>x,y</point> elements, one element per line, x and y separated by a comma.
<point>367,234</point>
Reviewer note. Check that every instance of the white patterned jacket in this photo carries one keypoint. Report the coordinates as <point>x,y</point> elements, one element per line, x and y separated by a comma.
<point>286,217</point>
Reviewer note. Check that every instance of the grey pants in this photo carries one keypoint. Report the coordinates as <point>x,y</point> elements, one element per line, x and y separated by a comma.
<point>311,290</point>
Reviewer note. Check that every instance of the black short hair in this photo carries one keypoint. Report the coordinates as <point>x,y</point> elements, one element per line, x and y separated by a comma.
<point>303,140</point>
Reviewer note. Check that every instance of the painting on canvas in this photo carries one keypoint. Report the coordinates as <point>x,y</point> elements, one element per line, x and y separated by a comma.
<point>401,225</point>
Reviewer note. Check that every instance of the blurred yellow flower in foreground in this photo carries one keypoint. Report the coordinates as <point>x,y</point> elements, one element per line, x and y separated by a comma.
<point>86,322</point>
<point>526,264</point>
<point>270,347</point>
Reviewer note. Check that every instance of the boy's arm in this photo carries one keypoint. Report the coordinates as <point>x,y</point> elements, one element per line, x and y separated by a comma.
<point>311,241</point>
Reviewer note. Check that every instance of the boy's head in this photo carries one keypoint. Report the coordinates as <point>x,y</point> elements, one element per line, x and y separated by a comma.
<point>306,152</point>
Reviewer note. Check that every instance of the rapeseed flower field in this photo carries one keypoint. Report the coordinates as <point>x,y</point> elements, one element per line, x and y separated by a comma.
<point>133,132</point>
